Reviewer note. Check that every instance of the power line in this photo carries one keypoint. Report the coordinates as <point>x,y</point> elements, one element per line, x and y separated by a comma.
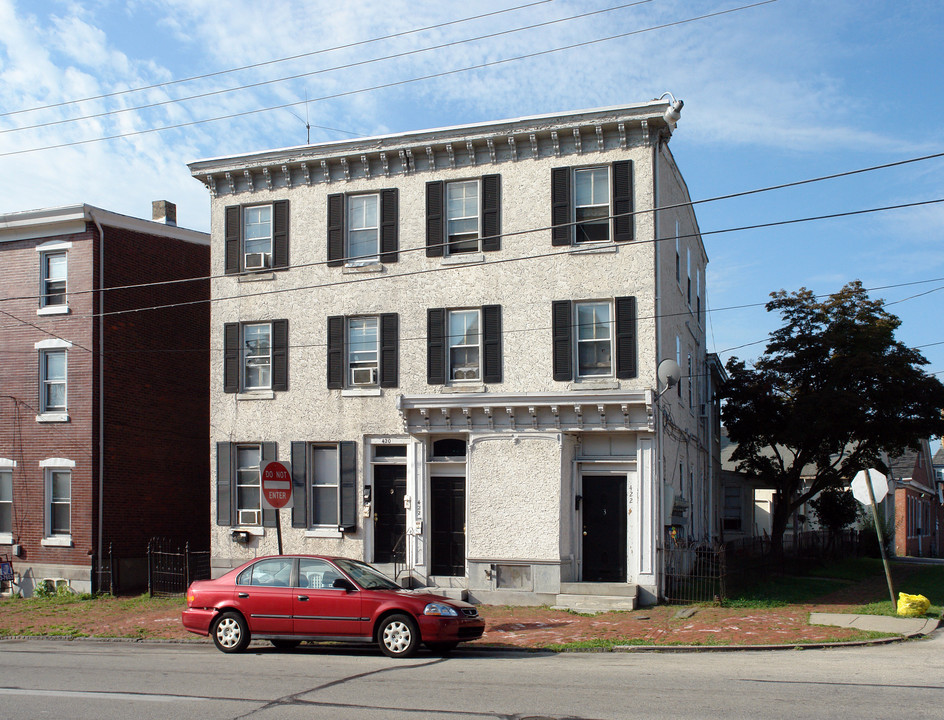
<point>347,66</point>
<point>689,203</point>
<point>272,62</point>
<point>385,86</point>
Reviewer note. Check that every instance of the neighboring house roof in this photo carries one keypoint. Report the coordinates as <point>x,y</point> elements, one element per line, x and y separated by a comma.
<point>44,222</point>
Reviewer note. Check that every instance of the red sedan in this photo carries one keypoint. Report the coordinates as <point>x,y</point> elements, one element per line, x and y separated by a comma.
<point>287,599</point>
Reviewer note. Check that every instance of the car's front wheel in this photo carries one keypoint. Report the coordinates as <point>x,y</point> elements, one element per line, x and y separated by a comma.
<point>398,636</point>
<point>230,632</point>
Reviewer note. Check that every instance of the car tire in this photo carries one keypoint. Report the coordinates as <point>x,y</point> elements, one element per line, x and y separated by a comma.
<point>442,648</point>
<point>285,644</point>
<point>398,636</point>
<point>230,632</point>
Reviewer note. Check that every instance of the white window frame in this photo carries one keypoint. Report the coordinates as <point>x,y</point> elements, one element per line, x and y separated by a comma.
<point>320,482</point>
<point>49,467</point>
<point>360,358</point>
<point>248,477</point>
<point>691,383</point>
<point>596,339</point>
<point>362,227</point>
<point>46,382</point>
<point>246,356</point>
<point>593,207</point>
<point>455,342</point>
<point>462,246</point>
<point>45,280</point>
<point>259,243</point>
<point>6,470</point>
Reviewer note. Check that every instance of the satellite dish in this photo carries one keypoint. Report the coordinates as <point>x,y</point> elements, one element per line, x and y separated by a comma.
<point>669,373</point>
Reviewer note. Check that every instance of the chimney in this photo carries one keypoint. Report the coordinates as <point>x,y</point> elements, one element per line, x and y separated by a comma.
<point>165,212</point>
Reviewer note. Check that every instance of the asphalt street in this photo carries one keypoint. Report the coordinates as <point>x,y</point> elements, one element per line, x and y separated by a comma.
<point>105,680</point>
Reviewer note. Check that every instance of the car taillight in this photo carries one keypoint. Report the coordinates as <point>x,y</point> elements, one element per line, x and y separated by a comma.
<point>191,597</point>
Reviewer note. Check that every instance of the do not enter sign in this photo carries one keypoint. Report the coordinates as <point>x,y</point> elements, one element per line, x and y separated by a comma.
<point>276,485</point>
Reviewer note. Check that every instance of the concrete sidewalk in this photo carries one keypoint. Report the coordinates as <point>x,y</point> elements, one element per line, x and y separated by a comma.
<point>908,627</point>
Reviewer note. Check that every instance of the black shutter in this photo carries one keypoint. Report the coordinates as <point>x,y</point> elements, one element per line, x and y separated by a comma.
<point>561,212</point>
<point>231,233</point>
<point>623,220</point>
<point>491,344</point>
<point>435,231</point>
<point>336,352</point>
<point>348,489</point>
<point>562,334</point>
<point>389,350</point>
<point>491,213</point>
<point>280,354</point>
<point>231,357</point>
<point>335,230</point>
<point>270,451</point>
<point>436,346</point>
<point>389,226</point>
<point>225,507</point>
<point>299,485</point>
<point>625,337</point>
<point>280,234</point>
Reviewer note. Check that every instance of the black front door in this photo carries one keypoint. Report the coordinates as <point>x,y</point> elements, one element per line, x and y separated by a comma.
<point>604,528</point>
<point>447,526</point>
<point>389,513</point>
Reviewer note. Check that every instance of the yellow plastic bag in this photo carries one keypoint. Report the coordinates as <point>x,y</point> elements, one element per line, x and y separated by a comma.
<point>912,605</point>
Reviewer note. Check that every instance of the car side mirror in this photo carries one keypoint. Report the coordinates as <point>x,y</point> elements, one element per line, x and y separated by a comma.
<point>344,584</point>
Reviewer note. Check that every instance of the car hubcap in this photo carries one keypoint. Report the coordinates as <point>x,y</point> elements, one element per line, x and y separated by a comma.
<point>397,637</point>
<point>228,633</point>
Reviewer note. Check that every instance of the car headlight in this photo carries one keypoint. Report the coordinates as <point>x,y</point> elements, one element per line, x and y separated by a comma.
<point>441,610</point>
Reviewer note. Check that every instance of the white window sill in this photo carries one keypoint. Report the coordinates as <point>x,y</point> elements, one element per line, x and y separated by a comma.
<point>6,538</point>
<point>594,385</point>
<point>57,541</point>
<point>253,276</point>
<point>52,417</point>
<point>361,392</point>
<point>332,533</point>
<point>369,266</point>
<point>595,248</point>
<point>254,530</point>
<point>464,259</point>
<point>53,310</point>
<point>256,395</point>
<point>471,388</point>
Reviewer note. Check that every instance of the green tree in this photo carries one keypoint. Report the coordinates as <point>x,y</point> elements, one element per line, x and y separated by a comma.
<point>835,510</point>
<point>832,390</point>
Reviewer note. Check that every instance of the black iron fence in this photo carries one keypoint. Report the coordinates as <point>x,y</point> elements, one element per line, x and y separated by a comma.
<point>104,573</point>
<point>171,568</point>
<point>694,572</point>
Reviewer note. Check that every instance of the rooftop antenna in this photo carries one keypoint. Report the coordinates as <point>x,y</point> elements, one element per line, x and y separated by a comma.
<point>307,123</point>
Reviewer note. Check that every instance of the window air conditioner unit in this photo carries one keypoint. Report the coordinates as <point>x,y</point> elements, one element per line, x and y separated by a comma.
<point>248,517</point>
<point>363,376</point>
<point>257,261</point>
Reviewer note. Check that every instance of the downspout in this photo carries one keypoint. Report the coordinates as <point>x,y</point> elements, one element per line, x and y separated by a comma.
<point>659,464</point>
<point>101,388</point>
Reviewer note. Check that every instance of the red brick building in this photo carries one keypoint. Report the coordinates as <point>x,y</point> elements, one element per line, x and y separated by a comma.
<point>104,379</point>
<point>919,505</point>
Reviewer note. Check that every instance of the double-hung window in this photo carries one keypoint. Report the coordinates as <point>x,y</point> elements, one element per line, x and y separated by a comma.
<point>463,216</point>
<point>59,498</point>
<point>256,237</point>
<point>363,228</point>
<point>464,345</point>
<point>53,374</point>
<point>324,485</point>
<point>363,351</point>
<point>239,483</point>
<point>594,339</point>
<point>54,276</point>
<point>6,504</point>
<point>255,356</point>
<point>592,204</point>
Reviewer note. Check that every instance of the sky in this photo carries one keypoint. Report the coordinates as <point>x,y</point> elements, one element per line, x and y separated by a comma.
<point>775,92</point>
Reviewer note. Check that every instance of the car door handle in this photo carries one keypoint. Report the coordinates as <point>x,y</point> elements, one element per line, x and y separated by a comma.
<point>303,598</point>
<point>242,595</point>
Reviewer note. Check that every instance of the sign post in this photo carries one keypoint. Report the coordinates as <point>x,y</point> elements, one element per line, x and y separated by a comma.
<point>869,487</point>
<point>277,491</point>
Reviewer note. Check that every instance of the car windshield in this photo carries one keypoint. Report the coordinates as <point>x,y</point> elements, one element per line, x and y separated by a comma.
<point>366,576</point>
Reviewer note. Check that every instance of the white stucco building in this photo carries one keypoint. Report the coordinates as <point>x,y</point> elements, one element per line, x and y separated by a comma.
<point>453,336</point>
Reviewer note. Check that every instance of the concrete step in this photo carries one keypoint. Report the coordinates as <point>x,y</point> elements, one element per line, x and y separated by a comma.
<point>594,603</point>
<point>598,588</point>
